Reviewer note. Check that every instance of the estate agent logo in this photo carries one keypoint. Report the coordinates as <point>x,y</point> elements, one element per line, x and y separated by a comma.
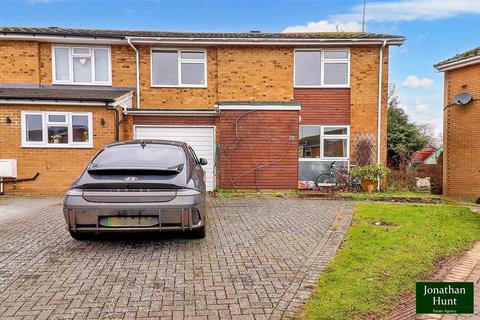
<point>444,297</point>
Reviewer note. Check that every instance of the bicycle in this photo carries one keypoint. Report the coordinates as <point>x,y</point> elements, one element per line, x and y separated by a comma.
<point>338,180</point>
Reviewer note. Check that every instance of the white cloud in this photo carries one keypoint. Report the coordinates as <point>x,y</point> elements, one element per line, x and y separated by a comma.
<point>325,26</point>
<point>413,81</point>
<point>417,9</point>
<point>421,107</point>
<point>391,11</point>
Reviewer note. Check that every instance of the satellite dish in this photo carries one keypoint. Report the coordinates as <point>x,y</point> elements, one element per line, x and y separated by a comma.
<point>462,98</point>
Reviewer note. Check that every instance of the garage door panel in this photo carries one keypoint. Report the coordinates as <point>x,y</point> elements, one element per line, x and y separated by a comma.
<point>201,139</point>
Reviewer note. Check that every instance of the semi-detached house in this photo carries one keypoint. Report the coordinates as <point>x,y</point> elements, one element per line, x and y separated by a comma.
<point>267,110</point>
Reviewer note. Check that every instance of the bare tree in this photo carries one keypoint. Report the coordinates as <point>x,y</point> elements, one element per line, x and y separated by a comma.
<point>427,130</point>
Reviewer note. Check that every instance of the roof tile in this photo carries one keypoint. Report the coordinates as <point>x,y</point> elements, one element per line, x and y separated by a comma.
<point>199,35</point>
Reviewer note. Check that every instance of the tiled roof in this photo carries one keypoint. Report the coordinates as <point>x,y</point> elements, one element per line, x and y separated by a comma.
<point>422,154</point>
<point>459,57</point>
<point>62,93</point>
<point>120,34</point>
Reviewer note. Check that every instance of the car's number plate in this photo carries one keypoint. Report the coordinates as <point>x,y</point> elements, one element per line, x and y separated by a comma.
<point>129,221</point>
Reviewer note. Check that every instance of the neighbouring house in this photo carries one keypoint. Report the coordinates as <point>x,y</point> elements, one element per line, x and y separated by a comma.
<point>461,129</point>
<point>426,155</point>
<point>265,109</point>
<point>435,157</point>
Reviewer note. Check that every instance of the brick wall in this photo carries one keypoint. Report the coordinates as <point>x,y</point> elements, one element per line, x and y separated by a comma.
<point>324,106</point>
<point>461,127</point>
<point>255,73</point>
<point>364,95</point>
<point>19,62</point>
<point>58,167</point>
<point>263,142</point>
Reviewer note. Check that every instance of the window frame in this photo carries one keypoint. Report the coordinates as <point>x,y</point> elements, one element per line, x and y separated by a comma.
<point>181,60</point>
<point>322,67</point>
<point>90,55</point>
<point>45,124</point>
<point>323,137</point>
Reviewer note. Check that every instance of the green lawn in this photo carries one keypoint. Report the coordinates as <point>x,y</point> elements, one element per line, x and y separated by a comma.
<point>385,196</point>
<point>377,264</point>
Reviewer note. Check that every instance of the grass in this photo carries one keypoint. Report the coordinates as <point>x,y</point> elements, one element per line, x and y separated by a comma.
<point>385,196</point>
<point>377,264</point>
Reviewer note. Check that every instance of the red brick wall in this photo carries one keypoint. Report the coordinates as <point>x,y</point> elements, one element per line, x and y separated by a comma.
<point>324,106</point>
<point>263,141</point>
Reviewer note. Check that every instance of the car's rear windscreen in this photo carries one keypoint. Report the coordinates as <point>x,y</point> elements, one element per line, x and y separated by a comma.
<point>136,156</point>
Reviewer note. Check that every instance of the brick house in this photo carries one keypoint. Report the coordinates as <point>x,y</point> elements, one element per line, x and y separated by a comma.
<point>461,159</point>
<point>265,109</point>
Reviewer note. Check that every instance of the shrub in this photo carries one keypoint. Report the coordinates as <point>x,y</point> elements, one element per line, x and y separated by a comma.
<point>370,172</point>
<point>401,180</point>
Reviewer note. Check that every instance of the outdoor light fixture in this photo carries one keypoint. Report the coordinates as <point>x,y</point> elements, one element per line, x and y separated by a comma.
<point>8,120</point>
<point>102,122</point>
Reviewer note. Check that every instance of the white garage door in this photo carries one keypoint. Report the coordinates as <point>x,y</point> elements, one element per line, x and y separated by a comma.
<point>201,139</point>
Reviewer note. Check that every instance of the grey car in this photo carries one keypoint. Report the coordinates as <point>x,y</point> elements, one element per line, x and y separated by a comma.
<point>139,186</point>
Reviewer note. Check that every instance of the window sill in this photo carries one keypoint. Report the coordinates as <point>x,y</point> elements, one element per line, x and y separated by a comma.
<point>323,87</point>
<point>82,84</point>
<point>57,146</point>
<point>181,87</point>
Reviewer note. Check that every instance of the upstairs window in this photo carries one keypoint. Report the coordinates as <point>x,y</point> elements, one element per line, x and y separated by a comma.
<point>322,68</point>
<point>57,129</point>
<point>179,68</point>
<point>81,65</point>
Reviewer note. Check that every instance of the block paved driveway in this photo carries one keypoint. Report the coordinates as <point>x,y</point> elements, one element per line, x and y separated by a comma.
<point>259,261</point>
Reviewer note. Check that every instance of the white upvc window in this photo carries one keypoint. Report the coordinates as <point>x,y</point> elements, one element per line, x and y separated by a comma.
<point>319,147</point>
<point>178,68</point>
<point>52,129</point>
<point>81,65</point>
<point>316,68</point>
<point>327,143</point>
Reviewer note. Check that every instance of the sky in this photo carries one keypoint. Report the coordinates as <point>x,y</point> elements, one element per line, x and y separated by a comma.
<point>435,29</point>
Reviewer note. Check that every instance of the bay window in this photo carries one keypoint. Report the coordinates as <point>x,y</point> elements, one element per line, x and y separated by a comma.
<point>178,68</point>
<point>318,147</point>
<point>57,129</point>
<point>322,68</point>
<point>81,65</point>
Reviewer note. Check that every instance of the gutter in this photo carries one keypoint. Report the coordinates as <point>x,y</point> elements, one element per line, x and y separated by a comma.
<point>137,71</point>
<point>457,64</point>
<point>379,106</point>
<point>54,102</point>
<point>264,41</point>
<point>57,38</point>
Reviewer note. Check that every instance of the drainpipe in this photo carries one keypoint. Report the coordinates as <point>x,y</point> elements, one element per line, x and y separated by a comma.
<point>116,120</point>
<point>379,106</point>
<point>137,65</point>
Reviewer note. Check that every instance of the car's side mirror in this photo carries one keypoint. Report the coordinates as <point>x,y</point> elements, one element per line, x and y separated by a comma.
<point>202,161</point>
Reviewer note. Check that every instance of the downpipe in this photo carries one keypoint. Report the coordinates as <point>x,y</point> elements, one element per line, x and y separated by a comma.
<point>379,106</point>
<point>116,121</point>
<point>137,69</point>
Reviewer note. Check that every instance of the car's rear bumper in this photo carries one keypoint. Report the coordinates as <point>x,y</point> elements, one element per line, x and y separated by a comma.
<point>183,213</point>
